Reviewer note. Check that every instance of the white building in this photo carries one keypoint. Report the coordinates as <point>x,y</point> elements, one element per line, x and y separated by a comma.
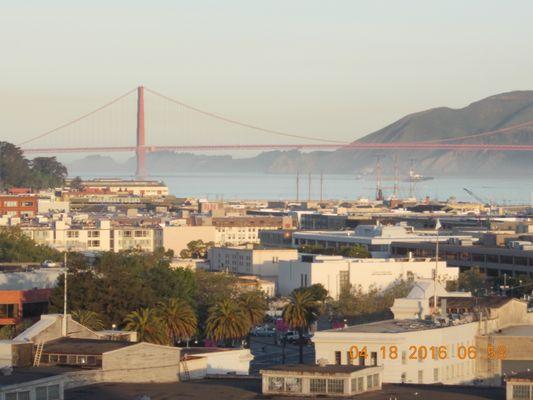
<point>247,260</point>
<point>100,236</point>
<point>135,187</point>
<point>418,302</point>
<point>375,238</point>
<point>337,272</point>
<point>453,348</point>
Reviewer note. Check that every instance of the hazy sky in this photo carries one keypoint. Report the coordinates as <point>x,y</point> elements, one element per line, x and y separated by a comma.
<point>326,68</point>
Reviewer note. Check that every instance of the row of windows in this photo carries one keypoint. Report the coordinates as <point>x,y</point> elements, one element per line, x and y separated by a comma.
<point>522,392</point>
<point>12,203</point>
<point>50,392</point>
<point>78,360</point>
<point>326,385</point>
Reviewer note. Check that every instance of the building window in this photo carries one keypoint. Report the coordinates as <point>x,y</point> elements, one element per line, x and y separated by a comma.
<point>435,374</point>
<point>404,357</point>
<point>376,380</point>
<point>18,395</point>
<point>521,391</point>
<point>275,384</point>
<point>373,358</point>
<point>317,385</point>
<point>369,382</point>
<point>293,385</point>
<point>360,384</point>
<point>344,280</point>
<point>338,358</point>
<point>335,385</point>
<point>349,358</point>
<point>8,310</point>
<point>420,376</point>
<point>41,393</point>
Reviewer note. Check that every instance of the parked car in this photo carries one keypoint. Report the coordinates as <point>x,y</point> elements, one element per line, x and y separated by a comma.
<point>51,264</point>
<point>263,331</point>
<point>293,337</point>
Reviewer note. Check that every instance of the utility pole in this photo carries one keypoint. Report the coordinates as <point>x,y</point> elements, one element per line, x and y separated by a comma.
<point>437,227</point>
<point>64,325</point>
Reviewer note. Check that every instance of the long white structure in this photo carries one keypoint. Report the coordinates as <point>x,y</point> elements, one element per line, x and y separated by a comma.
<point>468,340</point>
<point>336,272</point>
<point>375,238</point>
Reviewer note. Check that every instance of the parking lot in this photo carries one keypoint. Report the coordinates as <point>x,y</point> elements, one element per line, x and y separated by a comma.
<point>266,353</point>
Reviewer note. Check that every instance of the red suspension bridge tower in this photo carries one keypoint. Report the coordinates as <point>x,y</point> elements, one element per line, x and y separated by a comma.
<point>140,148</point>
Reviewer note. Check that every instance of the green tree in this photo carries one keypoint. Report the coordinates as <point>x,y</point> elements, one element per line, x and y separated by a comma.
<point>76,184</point>
<point>473,281</point>
<point>212,288</point>
<point>227,321</point>
<point>15,246</point>
<point>354,251</point>
<point>300,313</point>
<point>14,167</point>
<point>255,305</point>
<point>47,172</point>
<point>317,291</point>
<point>178,318</point>
<point>196,249</point>
<point>87,318</point>
<point>148,326</point>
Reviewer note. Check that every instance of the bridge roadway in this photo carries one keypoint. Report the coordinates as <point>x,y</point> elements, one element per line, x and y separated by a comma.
<point>318,146</point>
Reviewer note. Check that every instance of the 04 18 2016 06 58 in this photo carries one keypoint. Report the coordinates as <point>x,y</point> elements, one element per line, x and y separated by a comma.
<point>432,352</point>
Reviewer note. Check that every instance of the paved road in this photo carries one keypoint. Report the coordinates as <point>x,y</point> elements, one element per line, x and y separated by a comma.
<point>266,353</point>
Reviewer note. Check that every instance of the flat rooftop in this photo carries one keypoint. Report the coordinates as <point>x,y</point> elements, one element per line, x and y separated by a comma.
<point>22,375</point>
<point>314,368</point>
<point>244,389</point>
<point>84,346</point>
<point>389,326</point>
<point>517,330</point>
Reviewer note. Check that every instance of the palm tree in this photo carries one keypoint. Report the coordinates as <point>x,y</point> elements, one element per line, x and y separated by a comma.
<point>87,318</point>
<point>227,321</point>
<point>255,305</point>
<point>179,319</point>
<point>301,311</point>
<point>148,326</point>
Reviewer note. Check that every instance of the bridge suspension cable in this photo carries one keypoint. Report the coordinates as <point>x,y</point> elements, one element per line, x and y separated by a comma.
<point>72,122</point>
<point>243,124</point>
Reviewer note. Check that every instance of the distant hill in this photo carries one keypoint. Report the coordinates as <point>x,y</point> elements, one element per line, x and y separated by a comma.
<point>493,113</point>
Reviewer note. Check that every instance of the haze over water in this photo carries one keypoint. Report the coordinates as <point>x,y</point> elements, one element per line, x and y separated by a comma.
<point>345,187</point>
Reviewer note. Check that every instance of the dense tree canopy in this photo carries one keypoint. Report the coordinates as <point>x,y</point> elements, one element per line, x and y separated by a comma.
<point>39,173</point>
<point>358,305</point>
<point>15,246</point>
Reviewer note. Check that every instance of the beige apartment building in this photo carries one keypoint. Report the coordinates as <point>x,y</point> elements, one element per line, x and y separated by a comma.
<point>222,231</point>
<point>247,260</point>
<point>101,236</point>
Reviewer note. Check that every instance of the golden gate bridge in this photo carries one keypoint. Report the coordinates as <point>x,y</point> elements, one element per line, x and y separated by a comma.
<point>98,131</point>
